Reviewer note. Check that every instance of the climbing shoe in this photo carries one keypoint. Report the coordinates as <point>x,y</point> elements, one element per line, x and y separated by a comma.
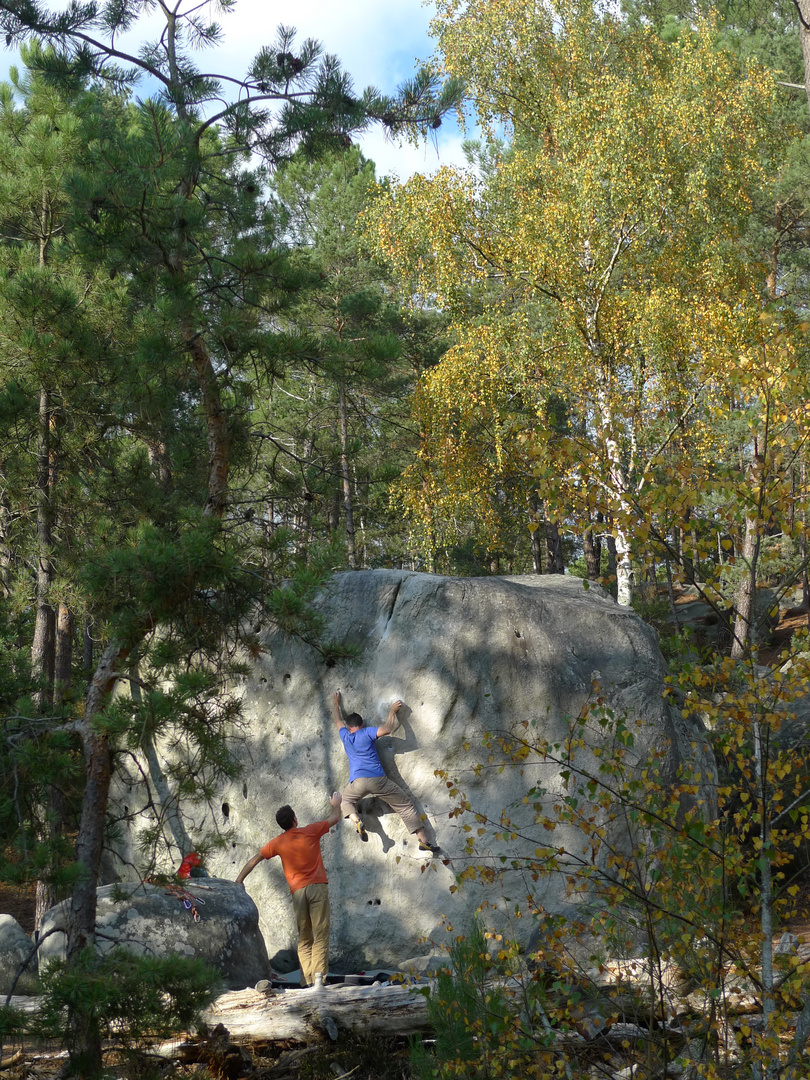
<point>361,830</point>
<point>432,848</point>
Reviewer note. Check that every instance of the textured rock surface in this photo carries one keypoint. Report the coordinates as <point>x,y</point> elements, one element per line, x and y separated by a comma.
<point>152,919</point>
<point>466,656</point>
<point>15,950</point>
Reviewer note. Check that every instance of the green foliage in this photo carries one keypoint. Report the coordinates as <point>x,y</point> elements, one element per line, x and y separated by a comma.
<point>694,891</point>
<point>485,1023</point>
<point>340,407</point>
<point>126,998</point>
<point>591,299</point>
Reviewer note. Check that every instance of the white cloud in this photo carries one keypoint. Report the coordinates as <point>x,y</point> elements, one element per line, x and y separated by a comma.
<point>406,159</point>
<point>379,44</point>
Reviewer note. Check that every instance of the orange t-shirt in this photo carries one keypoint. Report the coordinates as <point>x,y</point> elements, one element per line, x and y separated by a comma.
<point>300,852</point>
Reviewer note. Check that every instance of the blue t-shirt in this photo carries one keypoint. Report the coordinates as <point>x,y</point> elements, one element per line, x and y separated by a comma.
<point>361,750</point>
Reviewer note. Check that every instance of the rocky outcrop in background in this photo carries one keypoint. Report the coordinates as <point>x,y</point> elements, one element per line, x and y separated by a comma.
<point>212,920</point>
<point>18,961</point>
<point>466,656</point>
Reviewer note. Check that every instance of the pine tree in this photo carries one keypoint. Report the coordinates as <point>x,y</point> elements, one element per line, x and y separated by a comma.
<point>166,207</point>
<point>357,351</point>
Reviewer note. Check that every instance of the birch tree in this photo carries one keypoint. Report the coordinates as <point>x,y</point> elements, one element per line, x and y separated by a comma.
<point>610,233</point>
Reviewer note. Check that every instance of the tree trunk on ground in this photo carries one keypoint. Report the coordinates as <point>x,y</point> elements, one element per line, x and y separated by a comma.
<point>305,1015</point>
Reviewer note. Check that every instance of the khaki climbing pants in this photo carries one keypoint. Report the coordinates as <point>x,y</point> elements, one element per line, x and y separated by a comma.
<point>382,788</point>
<point>311,907</point>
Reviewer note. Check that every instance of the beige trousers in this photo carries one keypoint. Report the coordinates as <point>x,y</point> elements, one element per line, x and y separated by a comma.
<point>311,907</point>
<point>385,789</point>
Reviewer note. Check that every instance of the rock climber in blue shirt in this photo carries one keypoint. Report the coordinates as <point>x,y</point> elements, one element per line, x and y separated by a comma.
<point>366,774</point>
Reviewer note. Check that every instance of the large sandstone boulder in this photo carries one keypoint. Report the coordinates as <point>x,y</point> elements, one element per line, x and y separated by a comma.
<point>466,656</point>
<point>213,920</point>
<point>18,961</point>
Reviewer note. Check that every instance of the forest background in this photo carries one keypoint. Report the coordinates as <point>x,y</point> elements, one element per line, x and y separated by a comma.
<point>233,362</point>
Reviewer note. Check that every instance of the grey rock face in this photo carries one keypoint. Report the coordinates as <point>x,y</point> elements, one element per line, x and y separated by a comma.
<point>15,950</point>
<point>154,920</point>
<point>466,656</point>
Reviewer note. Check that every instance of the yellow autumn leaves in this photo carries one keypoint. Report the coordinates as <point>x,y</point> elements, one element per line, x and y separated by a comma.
<point>599,263</point>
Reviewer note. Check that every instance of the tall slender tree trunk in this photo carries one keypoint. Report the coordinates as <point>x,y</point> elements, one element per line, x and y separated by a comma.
<point>687,565</point>
<point>624,569</point>
<point>5,550</point>
<point>82,1033</point>
<point>361,546</point>
<point>610,544</point>
<point>87,647</point>
<point>54,807</point>
<point>744,600</point>
<point>803,8</point>
<point>63,659</point>
<point>42,646</point>
<point>348,503</point>
<point>671,595</point>
<point>592,547</point>
<point>803,540</point>
<point>622,542</point>
<point>535,517</point>
<point>771,1068</point>
<point>555,564</point>
<point>166,801</point>
<point>537,551</point>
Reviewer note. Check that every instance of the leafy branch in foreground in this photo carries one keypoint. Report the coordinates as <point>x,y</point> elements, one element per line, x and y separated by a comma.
<point>689,875</point>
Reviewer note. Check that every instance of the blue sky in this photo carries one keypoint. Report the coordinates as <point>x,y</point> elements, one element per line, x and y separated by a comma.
<point>378,42</point>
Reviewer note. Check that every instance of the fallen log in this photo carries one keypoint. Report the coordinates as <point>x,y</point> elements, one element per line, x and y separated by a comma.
<point>308,1015</point>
